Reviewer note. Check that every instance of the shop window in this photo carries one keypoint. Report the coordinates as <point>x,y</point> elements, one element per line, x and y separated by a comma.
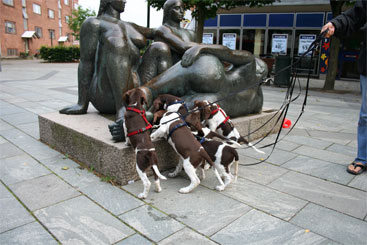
<point>287,45</point>
<point>38,30</point>
<point>253,41</point>
<point>51,14</point>
<point>301,43</point>
<point>12,52</point>
<point>36,9</point>
<point>230,38</point>
<point>8,2</point>
<point>10,27</point>
<point>210,36</point>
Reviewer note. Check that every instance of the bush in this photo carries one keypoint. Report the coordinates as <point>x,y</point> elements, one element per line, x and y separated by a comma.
<point>24,54</point>
<point>60,53</point>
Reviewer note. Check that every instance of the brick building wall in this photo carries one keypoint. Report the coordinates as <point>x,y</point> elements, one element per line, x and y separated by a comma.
<point>17,11</point>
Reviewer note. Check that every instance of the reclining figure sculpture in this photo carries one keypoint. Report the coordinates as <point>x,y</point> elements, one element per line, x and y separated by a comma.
<point>173,63</point>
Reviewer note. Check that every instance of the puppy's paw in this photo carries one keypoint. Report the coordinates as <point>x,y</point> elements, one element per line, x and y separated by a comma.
<point>184,190</point>
<point>142,196</point>
<point>158,189</point>
<point>220,187</point>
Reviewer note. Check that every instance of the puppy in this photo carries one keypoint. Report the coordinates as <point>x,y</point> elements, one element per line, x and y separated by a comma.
<point>191,153</point>
<point>223,156</point>
<point>137,130</point>
<point>218,121</point>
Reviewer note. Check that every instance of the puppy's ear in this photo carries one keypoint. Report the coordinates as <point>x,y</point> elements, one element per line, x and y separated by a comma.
<point>206,111</point>
<point>157,105</point>
<point>125,97</point>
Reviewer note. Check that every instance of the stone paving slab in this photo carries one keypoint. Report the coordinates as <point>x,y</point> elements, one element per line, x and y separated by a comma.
<point>151,222</point>
<point>258,228</point>
<point>20,168</point>
<point>188,237</point>
<point>70,171</point>
<point>204,210</point>
<point>12,213</point>
<point>319,168</point>
<point>32,233</point>
<point>9,150</point>
<point>261,197</point>
<point>20,118</point>
<point>335,196</point>
<point>334,225</point>
<point>4,125</point>
<point>263,173</point>
<point>308,141</point>
<point>359,182</point>
<point>343,149</point>
<point>28,144</point>
<point>111,197</point>
<point>31,129</point>
<point>8,109</point>
<point>278,157</point>
<point>43,191</point>
<point>135,239</point>
<point>335,137</point>
<point>324,155</point>
<point>80,221</point>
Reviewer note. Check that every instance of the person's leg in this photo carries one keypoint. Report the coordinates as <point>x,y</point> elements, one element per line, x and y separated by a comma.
<point>356,167</point>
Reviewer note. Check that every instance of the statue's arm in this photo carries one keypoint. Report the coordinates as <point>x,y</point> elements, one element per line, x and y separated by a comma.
<point>88,45</point>
<point>223,53</point>
<point>148,33</point>
<point>165,35</point>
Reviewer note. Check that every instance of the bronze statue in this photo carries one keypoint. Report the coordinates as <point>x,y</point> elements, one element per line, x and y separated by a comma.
<point>109,65</point>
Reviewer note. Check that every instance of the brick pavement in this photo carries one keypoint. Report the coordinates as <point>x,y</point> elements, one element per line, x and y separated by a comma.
<point>300,195</point>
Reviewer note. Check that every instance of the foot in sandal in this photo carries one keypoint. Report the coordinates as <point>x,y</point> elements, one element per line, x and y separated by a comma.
<point>356,168</point>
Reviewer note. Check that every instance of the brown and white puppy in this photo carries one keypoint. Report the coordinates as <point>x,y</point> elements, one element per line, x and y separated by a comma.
<point>137,130</point>
<point>191,153</point>
<point>218,121</point>
<point>223,156</point>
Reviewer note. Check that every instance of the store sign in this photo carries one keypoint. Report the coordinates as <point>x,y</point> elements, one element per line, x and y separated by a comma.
<point>305,40</point>
<point>229,40</point>
<point>279,44</point>
<point>208,38</point>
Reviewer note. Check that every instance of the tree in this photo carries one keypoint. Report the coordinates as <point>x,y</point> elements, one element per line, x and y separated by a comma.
<point>205,9</point>
<point>336,8</point>
<point>79,15</point>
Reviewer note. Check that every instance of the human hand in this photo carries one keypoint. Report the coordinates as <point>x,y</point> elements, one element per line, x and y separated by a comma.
<point>190,56</point>
<point>331,30</point>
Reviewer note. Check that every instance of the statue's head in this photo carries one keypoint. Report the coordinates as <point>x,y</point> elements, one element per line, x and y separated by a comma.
<point>105,3</point>
<point>167,8</point>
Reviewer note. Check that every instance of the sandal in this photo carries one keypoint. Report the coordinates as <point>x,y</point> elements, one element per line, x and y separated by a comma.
<point>356,168</point>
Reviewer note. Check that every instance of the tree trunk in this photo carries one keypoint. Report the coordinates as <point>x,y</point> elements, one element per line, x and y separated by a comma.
<point>200,18</point>
<point>336,7</point>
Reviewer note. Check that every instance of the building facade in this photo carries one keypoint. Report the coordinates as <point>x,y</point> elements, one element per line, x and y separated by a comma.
<point>284,28</point>
<point>26,25</point>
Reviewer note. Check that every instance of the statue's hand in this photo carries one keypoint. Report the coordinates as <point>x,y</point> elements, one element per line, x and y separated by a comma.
<point>74,110</point>
<point>190,56</point>
<point>117,130</point>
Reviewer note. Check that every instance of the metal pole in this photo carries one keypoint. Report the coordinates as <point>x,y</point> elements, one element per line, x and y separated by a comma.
<point>148,15</point>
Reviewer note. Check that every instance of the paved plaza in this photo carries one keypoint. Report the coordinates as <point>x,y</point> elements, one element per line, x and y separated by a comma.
<point>302,194</point>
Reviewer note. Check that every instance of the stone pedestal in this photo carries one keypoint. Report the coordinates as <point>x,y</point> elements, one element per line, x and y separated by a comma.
<point>86,138</point>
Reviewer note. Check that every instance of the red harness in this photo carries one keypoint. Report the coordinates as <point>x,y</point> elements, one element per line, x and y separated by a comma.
<point>142,130</point>
<point>223,113</point>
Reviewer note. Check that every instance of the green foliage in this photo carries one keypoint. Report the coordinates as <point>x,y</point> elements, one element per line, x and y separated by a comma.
<point>78,17</point>
<point>24,54</point>
<point>60,54</point>
<point>209,8</point>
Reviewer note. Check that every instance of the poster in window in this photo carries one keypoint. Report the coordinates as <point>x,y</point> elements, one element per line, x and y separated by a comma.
<point>305,41</point>
<point>229,40</point>
<point>208,38</point>
<point>279,44</point>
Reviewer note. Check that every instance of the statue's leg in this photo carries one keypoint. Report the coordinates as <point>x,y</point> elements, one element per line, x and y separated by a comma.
<point>156,59</point>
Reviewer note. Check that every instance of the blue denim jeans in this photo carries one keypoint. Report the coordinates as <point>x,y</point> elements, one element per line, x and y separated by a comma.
<point>362,124</point>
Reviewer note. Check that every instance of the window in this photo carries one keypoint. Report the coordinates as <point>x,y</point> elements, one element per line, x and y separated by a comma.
<point>8,2</point>
<point>51,14</point>
<point>12,52</point>
<point>36,9</point>
<point>25,24</point>
<point>66,2</point>
<point>38,30</point>
<point>67,19</point>
<point>10,27</point>
<point>24,4</point>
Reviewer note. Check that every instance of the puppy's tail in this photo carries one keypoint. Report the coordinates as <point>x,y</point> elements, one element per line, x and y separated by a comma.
<point>156,171</point>
<point>242,140</point>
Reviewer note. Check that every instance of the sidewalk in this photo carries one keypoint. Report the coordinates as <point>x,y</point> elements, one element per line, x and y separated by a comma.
<point>301,195</point>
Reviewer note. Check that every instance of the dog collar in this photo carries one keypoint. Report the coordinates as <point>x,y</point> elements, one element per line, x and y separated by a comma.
<point>142,114</point>
<point>223,113</point>
<point>176,127</point>
<point>180,102</point>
